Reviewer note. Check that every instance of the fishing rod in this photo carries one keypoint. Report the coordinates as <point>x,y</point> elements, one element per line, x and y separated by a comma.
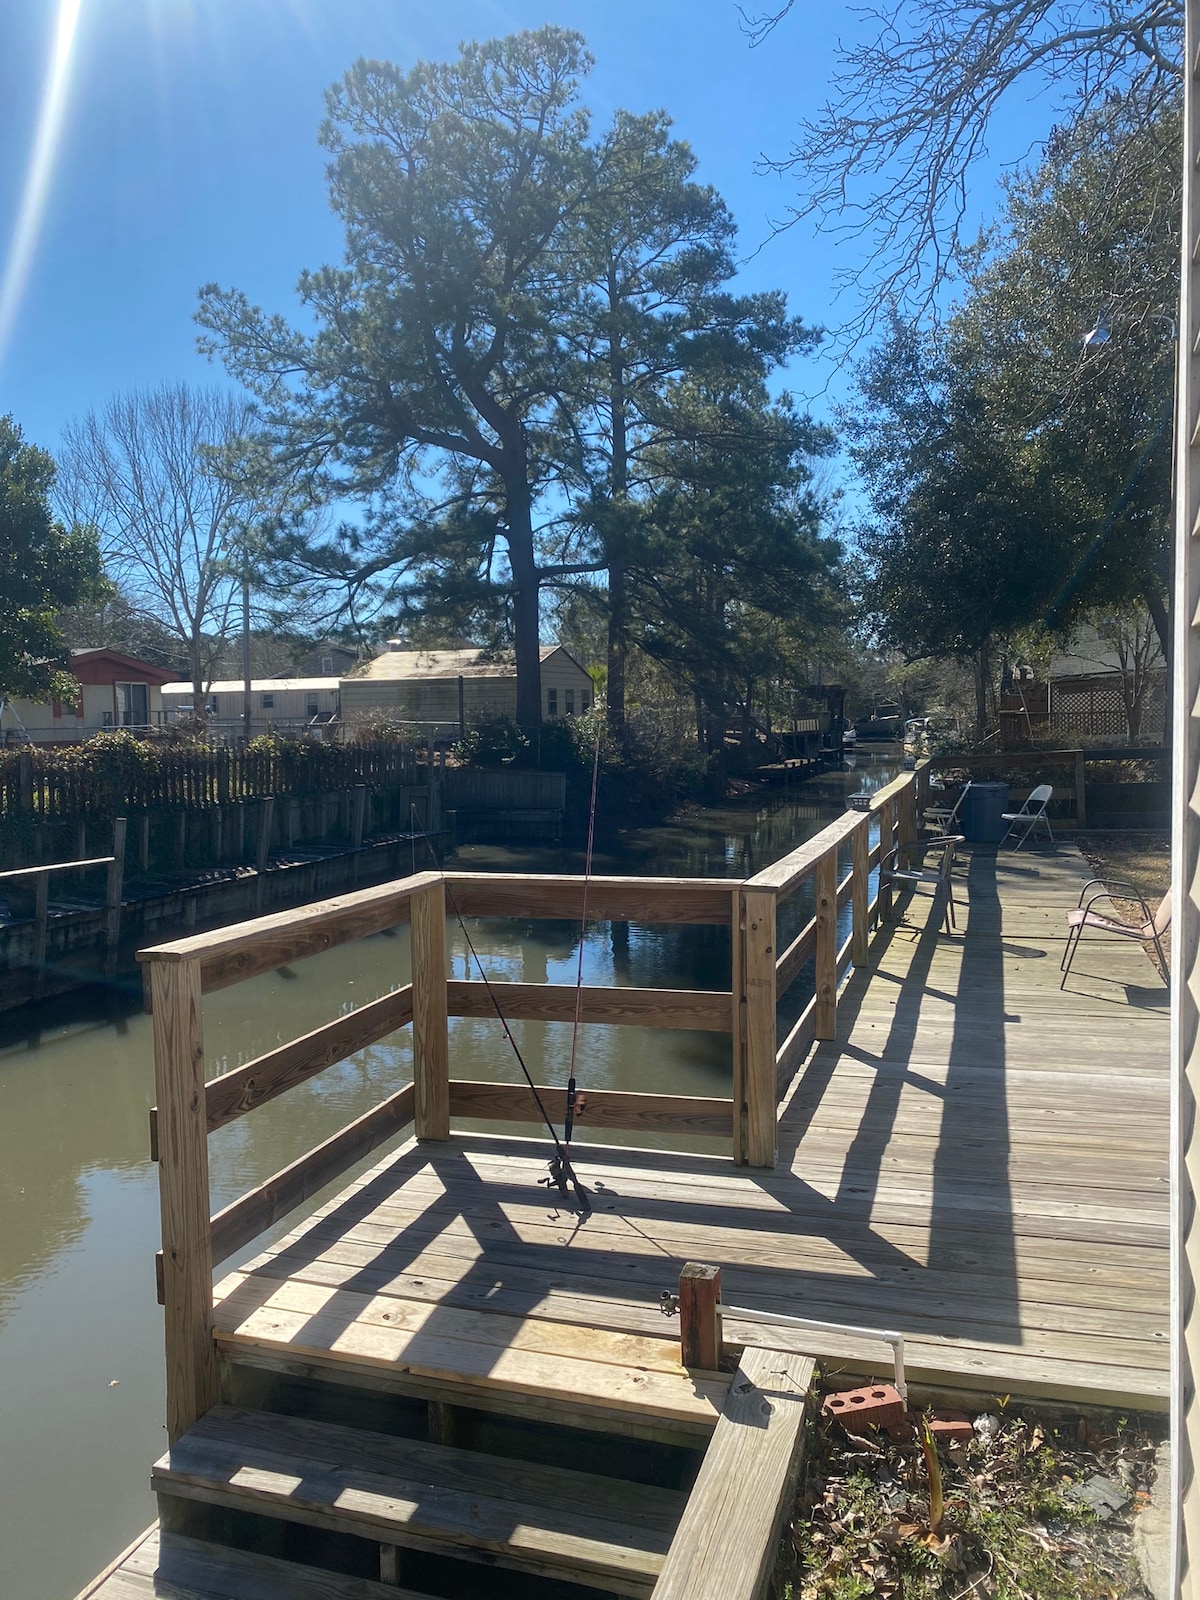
<point>569,1120</point>
<point>562,1174</point>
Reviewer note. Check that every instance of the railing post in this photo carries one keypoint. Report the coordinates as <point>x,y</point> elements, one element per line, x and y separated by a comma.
<point>192,1383</point>
<point>699,1320</point>
<point>884,898</point>
<point>860,892</point>
<point>1080,790</point>
<point>825,890</point>
<point>756,1096</point>
<point>431,1045</point>
<point>906,814</point>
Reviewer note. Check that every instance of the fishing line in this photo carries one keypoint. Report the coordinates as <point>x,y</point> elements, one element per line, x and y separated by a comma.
<point>569,1121</point>
<point>562,1173</point>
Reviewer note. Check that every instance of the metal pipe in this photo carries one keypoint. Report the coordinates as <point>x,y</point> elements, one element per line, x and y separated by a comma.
<point>777,1320</point>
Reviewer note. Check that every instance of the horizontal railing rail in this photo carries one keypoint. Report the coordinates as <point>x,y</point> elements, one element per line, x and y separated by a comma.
<point>189,1109</point>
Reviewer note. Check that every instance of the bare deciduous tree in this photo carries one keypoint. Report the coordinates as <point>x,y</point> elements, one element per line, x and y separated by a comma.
<point>889,159</point>
<point>147,472</point>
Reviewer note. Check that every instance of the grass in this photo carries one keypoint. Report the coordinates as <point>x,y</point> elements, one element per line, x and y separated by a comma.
<point>1010,1530</point>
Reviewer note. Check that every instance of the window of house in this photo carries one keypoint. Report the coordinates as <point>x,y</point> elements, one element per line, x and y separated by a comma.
<point>586,702</point>
<point>268,702</point>
<point>313,708</point>
<point>551,702</point>
<point>327,666</point>
<point>570,702</point>
<point>213,704</point>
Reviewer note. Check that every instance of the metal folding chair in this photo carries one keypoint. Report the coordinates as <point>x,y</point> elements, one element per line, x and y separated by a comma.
<point>942,820</point>
<point>1031,816</point>
<point>892,874</point>
<point>1149,931</point>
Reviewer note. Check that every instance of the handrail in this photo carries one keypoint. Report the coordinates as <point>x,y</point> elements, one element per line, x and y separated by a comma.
<point>56,866</point>
<point>181,971</point>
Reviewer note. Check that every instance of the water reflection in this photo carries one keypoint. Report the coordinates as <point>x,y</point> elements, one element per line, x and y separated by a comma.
<point>80,1336</point>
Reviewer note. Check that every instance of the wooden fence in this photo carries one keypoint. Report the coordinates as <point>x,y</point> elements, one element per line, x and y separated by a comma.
<point>48,783</point>
<point>189,1109</point>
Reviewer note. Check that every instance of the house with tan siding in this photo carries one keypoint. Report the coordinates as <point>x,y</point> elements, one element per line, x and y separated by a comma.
<point>451,688</point>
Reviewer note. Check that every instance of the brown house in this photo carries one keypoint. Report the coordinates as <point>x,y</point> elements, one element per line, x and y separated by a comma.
<point>115,691</point>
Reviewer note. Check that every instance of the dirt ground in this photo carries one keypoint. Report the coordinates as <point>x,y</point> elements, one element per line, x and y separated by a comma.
<point>1142,859</point>
<point>1027,1509</point>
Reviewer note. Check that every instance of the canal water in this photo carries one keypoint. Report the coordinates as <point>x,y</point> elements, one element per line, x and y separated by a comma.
<point>81,1372</point>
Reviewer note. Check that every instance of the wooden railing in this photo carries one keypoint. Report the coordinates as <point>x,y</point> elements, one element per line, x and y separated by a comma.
<point>41,875</point>
<point>189,1108</point>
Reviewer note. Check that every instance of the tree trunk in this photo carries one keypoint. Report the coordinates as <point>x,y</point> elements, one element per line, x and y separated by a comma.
<point>1161,617</point>
<point>614,698</point>
<point>981,691</point>
<point>614,693</point>
<point>526,610</point>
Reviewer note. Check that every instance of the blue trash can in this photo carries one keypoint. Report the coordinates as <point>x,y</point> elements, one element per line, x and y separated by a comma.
<point>982,814</point>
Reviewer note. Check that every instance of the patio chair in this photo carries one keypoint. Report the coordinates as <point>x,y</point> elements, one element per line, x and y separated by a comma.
<point>1031,816</point>
<point>1149,930</point>
<point>942,820</point>
<point>914,872</point>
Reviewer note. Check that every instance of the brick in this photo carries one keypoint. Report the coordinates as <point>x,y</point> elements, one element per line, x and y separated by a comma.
<point>877,1406</point>
<point>951,1427</point>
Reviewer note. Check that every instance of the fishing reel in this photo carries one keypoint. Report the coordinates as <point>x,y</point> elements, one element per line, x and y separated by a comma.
<point>562,1177</point>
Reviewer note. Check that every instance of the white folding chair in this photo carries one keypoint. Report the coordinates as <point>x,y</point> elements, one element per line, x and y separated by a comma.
<point>1031,816</point>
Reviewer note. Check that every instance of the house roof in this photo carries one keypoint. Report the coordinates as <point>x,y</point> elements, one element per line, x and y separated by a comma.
<point>98,665</point>
<point>257,686</point>
<point>403,665</point>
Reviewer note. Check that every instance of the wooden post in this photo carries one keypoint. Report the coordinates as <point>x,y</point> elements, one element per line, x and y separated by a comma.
<point>755,1109</point>
<point>1080,790</point>
<point>112,899</point>
<point>825,891</point>
<point>144,841</point>
<point>262,854</point>
<point>860,894</point>
<point>885,844</point>
<point>25,781</point>
<point>180,835</point>
<point>192,1383</point>
<point>699,1321</point>
<point>218,834</point>
<point>431,1044</point>
<point>358,814</point>
<point>906,814</point>
<point>41,913</point>
<point>239,831</point>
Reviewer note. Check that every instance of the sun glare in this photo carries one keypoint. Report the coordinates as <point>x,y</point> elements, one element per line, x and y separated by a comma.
<point>41,170</point>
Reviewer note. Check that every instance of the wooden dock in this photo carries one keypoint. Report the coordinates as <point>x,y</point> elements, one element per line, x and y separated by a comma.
<point>445,1376</point>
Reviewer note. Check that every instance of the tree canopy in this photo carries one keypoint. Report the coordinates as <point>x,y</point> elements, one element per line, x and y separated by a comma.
<point>44,568</point>
<point>491,366</point>
<point>1030,473</point>
<point>889,158</point>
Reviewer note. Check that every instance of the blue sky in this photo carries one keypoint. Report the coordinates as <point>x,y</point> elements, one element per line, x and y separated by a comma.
<point>188,153</point>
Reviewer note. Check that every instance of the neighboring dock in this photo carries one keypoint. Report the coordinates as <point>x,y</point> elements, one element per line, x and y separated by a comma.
<point>447,1382</point>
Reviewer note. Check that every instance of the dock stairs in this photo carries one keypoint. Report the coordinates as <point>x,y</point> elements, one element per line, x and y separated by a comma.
<point>321,1478</point>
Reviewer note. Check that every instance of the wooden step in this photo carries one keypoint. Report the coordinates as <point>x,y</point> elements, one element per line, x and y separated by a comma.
<point>575,1374</point>
<point>170,1565</point>
<point>568,1525</point>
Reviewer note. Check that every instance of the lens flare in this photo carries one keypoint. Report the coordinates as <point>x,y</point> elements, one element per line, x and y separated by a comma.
<point>41,171</point>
